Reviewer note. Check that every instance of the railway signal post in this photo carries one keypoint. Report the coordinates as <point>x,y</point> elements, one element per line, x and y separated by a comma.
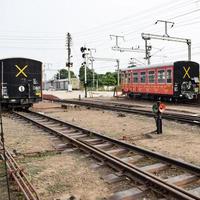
<point>85,54</point>
<point>158,108</point>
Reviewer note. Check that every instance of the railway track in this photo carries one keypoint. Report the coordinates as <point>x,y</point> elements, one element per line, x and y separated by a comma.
<point>16,173</point>
<point>188,103</point>
<point>168,178</point>
<point>190,119</point>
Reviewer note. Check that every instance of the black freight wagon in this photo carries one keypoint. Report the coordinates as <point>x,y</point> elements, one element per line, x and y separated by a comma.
<point>21,82</point>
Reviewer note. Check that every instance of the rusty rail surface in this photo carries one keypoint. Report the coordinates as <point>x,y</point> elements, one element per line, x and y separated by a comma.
<point>79,137</point>
<point>16,173</point>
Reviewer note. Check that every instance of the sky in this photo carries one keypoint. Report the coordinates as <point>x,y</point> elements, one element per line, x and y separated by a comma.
<point>37,29</point>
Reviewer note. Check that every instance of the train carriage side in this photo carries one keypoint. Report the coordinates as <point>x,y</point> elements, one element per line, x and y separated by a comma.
<point>177,80</point>
<point>186,76</point>
<point>21,82</point>
<point>148,81</point>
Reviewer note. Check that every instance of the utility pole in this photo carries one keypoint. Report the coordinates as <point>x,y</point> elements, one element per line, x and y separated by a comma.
<point>147,50</point>
<point>189,49</point>
<point>166,22</point>
<point>44,75</point>
<point>91,60</point>
<point>116,39</point>
<point>69,64</point>
<point>46,66</point>
<point>148,36</point>
<point>117,72</point>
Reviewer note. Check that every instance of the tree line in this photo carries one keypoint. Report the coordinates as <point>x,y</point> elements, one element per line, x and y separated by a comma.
<point>107,79</point>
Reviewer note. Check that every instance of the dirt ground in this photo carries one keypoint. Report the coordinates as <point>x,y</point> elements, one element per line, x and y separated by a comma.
<point>56,176</point>
<point>181,141</point>
<point>23,138</point>
<point>64,175</point>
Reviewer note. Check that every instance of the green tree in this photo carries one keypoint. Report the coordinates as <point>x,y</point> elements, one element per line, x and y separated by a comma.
<point>89,76</point>
<point>109,79</point>
<point>63,73</point>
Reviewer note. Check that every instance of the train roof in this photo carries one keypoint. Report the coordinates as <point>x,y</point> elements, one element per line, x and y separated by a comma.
<point>149,66</point>
<point>19,58</point>
<point>153,65</point>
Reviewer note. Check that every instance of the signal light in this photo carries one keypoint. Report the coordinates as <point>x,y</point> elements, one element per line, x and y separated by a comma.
<point>83,49</point>
<point>158,108</point>
<point>162,107</point>
<point>83,55</point>
<point>155,108</point>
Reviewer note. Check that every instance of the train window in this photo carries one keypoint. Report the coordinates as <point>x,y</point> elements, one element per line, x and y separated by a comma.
<point>129,77</point>
<point>126,78</point>
<point>143,77</point>
<point>169,76</point>
<point>161,76</point>
<point>135,77</point>
<point>122,77</point>
<point>151,77</point>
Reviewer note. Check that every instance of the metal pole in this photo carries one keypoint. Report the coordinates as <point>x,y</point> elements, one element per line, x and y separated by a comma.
<point>166,22</point>
<point>147,57</point>
<point>147,36</point>
<point>85,84</point>
<point>68,57</point>
<point>116,39</point>
<point>189,50</point>
<point>69,52</point>
<point>117,72</point>
<point>44,70</point>
<point>92,66</point>
<point>166,29</point>
<point>145,49</point>
<point>92,74</point>
<point>97,84</point>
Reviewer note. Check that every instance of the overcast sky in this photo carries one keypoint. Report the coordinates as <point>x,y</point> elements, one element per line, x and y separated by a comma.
<point>37,29</point>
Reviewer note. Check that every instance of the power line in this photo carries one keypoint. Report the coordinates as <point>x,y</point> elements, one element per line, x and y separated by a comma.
<point>170,4</point>
<point>188,13</point>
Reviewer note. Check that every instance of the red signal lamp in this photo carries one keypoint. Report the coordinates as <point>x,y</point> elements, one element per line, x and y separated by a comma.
<point>162,107</point>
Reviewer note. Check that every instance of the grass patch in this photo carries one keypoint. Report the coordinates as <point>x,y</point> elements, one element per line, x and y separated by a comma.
<point>57,187</point>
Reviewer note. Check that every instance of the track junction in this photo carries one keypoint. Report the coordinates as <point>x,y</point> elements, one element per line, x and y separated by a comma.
<point>153,172</point>
<point>183,118</point>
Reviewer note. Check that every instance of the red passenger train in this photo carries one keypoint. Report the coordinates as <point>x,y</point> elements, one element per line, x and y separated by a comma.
<point>177,80</point>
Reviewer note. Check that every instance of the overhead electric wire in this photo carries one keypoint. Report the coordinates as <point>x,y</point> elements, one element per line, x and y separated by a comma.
<point>135,16</point>
<point>31,38</point>
<point>187,24</point>
<point>188,13</point>
<point>96,40</point>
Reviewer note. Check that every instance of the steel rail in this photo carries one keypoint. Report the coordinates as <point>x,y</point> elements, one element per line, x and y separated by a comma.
<point>20,178</point>
<point>169,116</point>
<point>24,178</point>
<point>131,147</point>
<point>131,171</point>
